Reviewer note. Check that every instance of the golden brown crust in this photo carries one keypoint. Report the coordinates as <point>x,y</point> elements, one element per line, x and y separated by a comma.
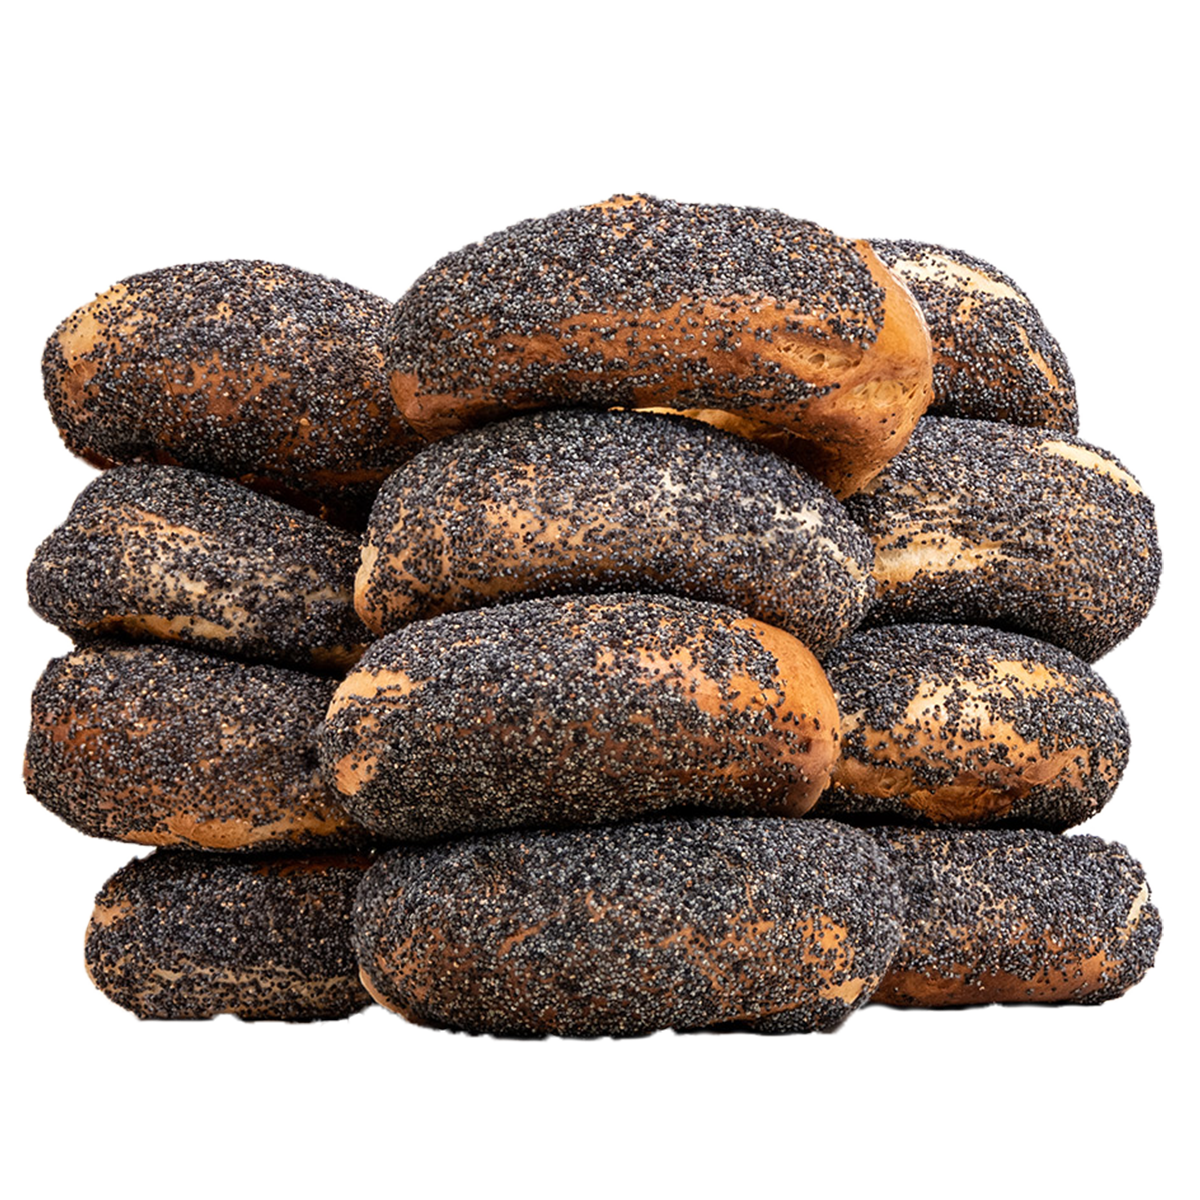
<point>848,435</point>
<point>163,746</point>
<point>828,346</point>
<point>773,925</point>
<point>803,704</point>
<point>251,370</point>
<point>871,415</point>
<point>576,710</point>
<point>1074,978</point>
<point>1016,916</point>
<point>970,725</point>
<point>584,502</point>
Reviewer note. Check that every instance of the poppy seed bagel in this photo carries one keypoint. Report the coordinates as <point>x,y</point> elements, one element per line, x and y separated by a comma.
<point>577,501</point>
<point>1016,916</point>
<point>773,925</point>
<point>256,371</point>
<point>638,302</point>
<point>578,710</point>
<point>164,746</point>
<point>172,554</point>
<point>970,725</point>
<point>186,936</point>
<point>993,358</point>
<point>1029,530</point>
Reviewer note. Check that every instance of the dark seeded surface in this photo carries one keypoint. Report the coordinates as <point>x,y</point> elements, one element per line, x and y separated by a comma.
<point>782,926</point>
<point>247,369</point>
<point>163,745</point>
<point>236,572</point>
<point>985,365</point>
<point>563,711</point>
<point>645,257</point>
<point>883,679</point>
<point>185,936</point>
<point>1048,547</point>
<point>583,501</point>
<point>1025,903</point>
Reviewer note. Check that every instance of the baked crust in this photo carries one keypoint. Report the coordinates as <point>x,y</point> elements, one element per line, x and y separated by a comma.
<point>1029,530</point>
<point>772,925</point>
<point>1016,916</point>
<point>642,303</point>
<point>186,936</point>
<point>168,554</point>
<point>970,725</point>
<point>585,502</point>
<point>993,358</point>
<point>578,710</point>
<point>164,746</point>
<point>251,370</point>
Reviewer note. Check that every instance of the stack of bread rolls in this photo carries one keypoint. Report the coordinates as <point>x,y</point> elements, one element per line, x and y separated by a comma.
<point>664,616</point>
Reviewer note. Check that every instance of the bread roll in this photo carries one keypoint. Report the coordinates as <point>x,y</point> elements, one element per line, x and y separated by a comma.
<point>578,710</point>
<point>1016,916</point>
<point>964,724</point>
<point>993,358</point>
<point>165,746</point>
<point>183,936</point>
<point>167,553</point>
<point>639,302</point>
<point>560,502</point>
<point>1028,530</point>
<point>773,925</point>
<point>263,373</point>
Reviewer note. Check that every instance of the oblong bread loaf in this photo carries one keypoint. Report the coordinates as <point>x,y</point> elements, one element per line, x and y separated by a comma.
<point>640,303</point>
<point>186,936</point>
<point>1029,530</point>
<point>1016,916</point>
<point>772,925</point>
<point>165,746</point>
<point>586,502</point>
<point>578,710</point>
<point>164,553</point>
<point>251,370</point>
<point>972,726</point>
<point>993,357</point>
